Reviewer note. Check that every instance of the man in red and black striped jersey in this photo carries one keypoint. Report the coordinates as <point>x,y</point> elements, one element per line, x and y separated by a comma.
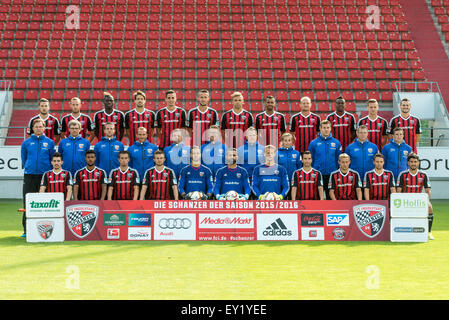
<point>343,123</point>
<point>377,126</point>
<point>57,180</point>
<point>378,183</point>
<point>270,124</point>
<point>304,125</point>
<point>307,183</point>
<point>123,181</point>
<point>159,182</point>
<point>84,120</point>
<point>139,117</point>
<point>345,183</point>
<point>51,122</point>
<point>168,119</point>
<point>410,124</point>
<point>90,182</point>
<point>108,115</point>
<point>235,122</point>
<point>201,118</point>
<point>414,181</point>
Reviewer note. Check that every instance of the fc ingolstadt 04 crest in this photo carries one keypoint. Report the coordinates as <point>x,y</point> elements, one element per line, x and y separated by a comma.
<point>370,218</point>
<point>81,219</point>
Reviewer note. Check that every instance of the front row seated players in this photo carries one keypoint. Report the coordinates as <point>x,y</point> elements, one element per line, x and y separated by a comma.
<point>57,179</point>
<point>270,180</point>
<point>159,182</point>
<point>414,181</point>
<point>123,181</point>
<point>232,180</point>
<point>195,178</point>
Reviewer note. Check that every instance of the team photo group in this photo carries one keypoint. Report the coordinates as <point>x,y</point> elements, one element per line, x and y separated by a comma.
<point>174,154</point>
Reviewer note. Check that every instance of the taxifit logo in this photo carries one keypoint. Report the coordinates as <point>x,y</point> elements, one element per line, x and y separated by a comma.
<point>46,204</point>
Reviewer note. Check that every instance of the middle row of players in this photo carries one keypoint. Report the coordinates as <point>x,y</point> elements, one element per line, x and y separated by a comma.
<point>250,172</point>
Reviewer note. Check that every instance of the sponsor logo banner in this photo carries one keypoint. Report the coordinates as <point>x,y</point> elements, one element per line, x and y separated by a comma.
<point>81,219</point>
<point>409,205</point>
<point>277,226</point>
<point>139,219</point>
<point>337,219</point>
<point>114,219</point>
<point>45,205</point>
<point>339,233</point>
<point>226,221</point>
<point>312,219</point>
<point>113,234</point>
<point>370,218</point>
<point>174,227</point>
<point>312,233</point>
<point>139,233</point>
<point>45,229</point>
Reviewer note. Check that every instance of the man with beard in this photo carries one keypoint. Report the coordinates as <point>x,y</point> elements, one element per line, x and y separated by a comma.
<point>201,118</point>
<point>415,181</point>
<point>90,182</point>
<point>57,179</point>
<point>51,123</point>
<point>139,117</point>
<point>232,178</point>
<point>270,123</point>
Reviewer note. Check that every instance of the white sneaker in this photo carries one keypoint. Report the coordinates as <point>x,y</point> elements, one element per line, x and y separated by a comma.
<point>431,237</point>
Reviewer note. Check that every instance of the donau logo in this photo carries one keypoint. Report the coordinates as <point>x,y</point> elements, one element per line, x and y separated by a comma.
<point>370,218</point>
<point>81,219</point>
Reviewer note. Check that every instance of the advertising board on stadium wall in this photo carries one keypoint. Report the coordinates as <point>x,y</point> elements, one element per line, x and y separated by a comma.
<point>10,162</point>
<point>227,220</point>
<point>434,161</point>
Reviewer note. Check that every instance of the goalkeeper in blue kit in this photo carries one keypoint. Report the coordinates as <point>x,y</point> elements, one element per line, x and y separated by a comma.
<point>232,181</point>
<point>270,180</point>
<point>195,180</point>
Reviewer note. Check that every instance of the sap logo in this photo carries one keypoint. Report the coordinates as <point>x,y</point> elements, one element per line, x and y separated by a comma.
<point>337,219</point>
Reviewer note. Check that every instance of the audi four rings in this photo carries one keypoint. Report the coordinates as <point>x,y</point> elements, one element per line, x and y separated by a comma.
<point>175,223</point>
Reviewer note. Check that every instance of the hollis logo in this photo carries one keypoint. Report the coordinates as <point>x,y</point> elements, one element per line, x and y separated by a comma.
<point>397,203</point>
<point>48,204</point>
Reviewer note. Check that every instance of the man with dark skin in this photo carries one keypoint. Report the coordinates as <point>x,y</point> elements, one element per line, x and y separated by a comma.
<point>109,114</point>
<point>343,123</point>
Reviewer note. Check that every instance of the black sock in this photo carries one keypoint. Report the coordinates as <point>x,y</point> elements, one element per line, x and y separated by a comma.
<point>430,218</point>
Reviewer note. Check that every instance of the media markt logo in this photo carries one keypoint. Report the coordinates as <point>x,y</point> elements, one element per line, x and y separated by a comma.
<point>277,228</point>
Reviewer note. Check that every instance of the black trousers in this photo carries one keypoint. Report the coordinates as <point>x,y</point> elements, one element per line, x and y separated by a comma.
<point>31,183</point>
<point>326,186</point>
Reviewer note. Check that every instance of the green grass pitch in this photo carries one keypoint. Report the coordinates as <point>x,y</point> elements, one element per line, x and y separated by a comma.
<point>222,270</point>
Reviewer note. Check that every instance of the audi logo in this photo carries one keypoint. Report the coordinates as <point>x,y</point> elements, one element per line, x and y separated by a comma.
<point>175,223</point>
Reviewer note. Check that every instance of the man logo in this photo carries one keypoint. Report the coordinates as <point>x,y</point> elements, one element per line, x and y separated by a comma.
<point>81,219</point>
<point>45,229</point>
<point>370,218</point>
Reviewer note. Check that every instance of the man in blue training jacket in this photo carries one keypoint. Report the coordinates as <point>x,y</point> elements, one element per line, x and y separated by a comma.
<point>361,152</point>
<point>36,153</point>
<point>325,152</point>
<point>73,149</point>
<point>396,153</point>
<point>107,149</point>
<point>142,153</point>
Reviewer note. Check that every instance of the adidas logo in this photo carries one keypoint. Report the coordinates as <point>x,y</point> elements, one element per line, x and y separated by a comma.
<point>277,228</point>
